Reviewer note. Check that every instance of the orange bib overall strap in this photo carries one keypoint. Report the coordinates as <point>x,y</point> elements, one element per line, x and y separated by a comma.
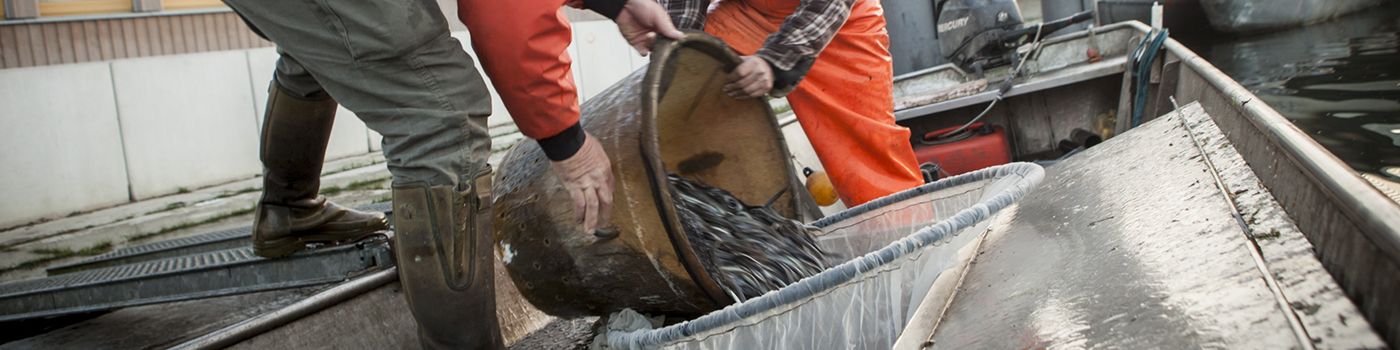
<point>845,103</point>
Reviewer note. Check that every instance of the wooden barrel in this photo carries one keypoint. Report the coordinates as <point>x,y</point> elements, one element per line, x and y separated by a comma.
<point>670,117</point>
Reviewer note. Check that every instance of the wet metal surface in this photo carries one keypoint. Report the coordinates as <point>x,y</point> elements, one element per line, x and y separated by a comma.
<point>1127,245</point>
<point>1322,307</point>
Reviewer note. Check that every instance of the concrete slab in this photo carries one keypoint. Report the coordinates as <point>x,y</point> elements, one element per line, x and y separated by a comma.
<point>186,121</point>
<point>64,149</point>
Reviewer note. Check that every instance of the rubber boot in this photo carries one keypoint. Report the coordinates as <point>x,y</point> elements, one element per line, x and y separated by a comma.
<point>291,212</point>
<point>443,247</point>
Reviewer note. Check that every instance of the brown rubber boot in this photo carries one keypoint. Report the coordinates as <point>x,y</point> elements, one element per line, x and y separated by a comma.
<point>291,212</point>
<point>443,247</point>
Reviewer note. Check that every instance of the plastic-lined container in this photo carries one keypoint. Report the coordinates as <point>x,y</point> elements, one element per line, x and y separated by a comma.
<point>896,247</point>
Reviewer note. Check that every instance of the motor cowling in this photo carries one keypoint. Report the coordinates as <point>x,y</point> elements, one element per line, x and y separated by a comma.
<point>967,29</point>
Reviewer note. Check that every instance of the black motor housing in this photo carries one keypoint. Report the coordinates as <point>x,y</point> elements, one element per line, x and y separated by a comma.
<point>965,27</point>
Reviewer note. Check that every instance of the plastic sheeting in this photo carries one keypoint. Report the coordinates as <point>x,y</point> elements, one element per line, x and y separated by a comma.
<point>896,246</point>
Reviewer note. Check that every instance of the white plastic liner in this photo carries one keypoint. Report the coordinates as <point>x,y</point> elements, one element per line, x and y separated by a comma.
<point>896,246</point>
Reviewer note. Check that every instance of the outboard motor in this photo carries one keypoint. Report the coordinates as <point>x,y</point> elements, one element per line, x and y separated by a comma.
<point>966,27</point>
<point>981,34</point>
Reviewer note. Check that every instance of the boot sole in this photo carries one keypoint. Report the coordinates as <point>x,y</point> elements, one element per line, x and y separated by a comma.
<point>277,248</point>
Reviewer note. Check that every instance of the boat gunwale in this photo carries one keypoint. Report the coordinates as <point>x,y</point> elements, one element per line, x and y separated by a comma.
<point>1377,217</point>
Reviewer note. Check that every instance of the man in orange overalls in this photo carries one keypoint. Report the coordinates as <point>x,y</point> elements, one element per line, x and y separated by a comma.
<point>844,100</point>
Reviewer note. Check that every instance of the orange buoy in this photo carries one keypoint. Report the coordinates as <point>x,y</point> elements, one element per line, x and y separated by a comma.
<point>819,185</point>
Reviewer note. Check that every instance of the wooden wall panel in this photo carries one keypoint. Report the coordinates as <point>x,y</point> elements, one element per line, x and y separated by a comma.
<point>9,54</point>
<point>165,34</point>
<point>129,36</point>
<point>47,43</point>
<point>50,42</point>
<point>34,46</point>
<point>76,41</point>
<point>64,33</point>
<point>188,33</point>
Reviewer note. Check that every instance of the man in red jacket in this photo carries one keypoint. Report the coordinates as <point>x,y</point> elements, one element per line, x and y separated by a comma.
<point>395,65</point>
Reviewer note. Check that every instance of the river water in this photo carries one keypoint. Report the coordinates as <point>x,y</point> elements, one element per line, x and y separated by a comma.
<point>1339,81</point>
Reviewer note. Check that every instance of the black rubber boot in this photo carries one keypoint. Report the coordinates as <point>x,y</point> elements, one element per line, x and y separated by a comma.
<point>443,246</point>
<point>291,212</point>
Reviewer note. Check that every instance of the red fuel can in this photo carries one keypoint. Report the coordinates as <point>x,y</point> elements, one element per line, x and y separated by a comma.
<point>977,147</point>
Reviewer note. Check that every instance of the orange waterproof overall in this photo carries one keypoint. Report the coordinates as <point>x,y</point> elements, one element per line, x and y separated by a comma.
<point>845,103</point>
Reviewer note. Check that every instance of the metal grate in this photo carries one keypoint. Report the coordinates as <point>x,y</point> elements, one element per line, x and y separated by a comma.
<point>218,240</point>
<point>203,275</point>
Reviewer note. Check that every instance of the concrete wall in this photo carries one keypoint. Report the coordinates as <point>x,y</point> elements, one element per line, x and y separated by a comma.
<point>84,136</point>
<point>186,121</point>
<point>62,146</point>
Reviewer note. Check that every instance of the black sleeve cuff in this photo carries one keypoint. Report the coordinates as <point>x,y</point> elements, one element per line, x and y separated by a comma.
<point>607,8</point>
<point>784,80</point>
<point>564,145</point>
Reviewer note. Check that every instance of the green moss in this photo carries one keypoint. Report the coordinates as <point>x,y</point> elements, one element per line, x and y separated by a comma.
<point>331,191</point>
<point>1273,233</point>
<point>168,207</point>
<point>65,252</point>
<point>227,194</point>
<point>186,225</point>
<point>372,184</point>
<point>50,254</point>
<point>375,184</point>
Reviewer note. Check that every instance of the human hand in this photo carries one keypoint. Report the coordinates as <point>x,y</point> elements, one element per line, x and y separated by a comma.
<point>588,178</point>
<point>753,77</point>
<point>641,20</point>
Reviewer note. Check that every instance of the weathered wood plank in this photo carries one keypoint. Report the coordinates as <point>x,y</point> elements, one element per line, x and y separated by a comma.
<point>52,53</point>
<point>9,53</point>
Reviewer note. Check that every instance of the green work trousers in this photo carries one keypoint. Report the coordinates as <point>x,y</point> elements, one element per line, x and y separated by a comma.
<point>394,64</point>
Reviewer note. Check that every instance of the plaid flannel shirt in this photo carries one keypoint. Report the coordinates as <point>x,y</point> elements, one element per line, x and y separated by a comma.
<point>802,35</point>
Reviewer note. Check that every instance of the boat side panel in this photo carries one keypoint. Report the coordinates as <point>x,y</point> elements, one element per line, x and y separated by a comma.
<point>1367,273</point>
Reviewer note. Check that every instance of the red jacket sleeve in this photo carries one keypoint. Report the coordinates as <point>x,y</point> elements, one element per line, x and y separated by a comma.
<point>523,46</point>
